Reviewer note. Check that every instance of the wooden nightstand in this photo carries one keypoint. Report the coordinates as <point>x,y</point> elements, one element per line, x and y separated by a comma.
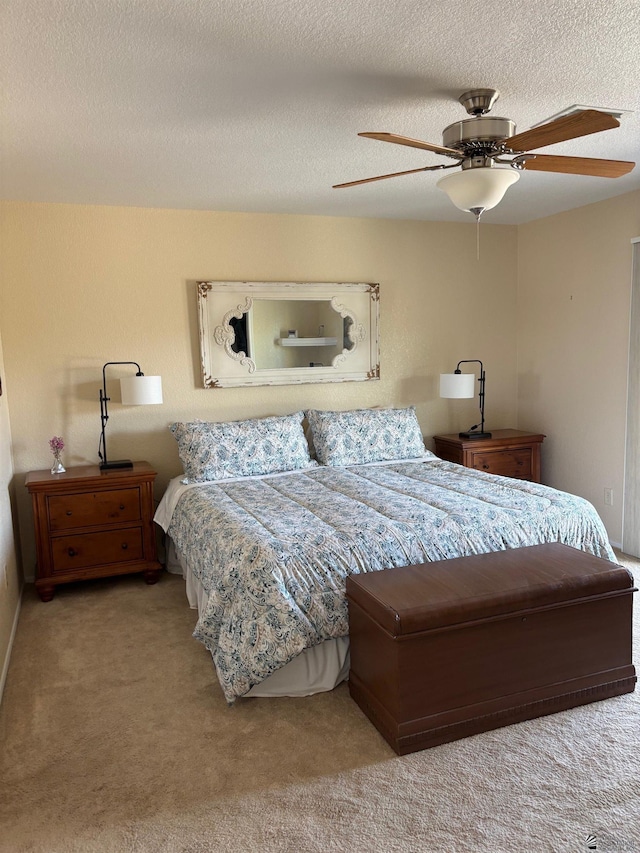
<point>92,524</point>
<point>510,452</point>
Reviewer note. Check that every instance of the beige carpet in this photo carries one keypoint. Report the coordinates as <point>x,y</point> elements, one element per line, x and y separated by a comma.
<point>115,737</point>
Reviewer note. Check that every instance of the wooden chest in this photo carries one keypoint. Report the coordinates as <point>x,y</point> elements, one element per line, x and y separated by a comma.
<point>444,650</point>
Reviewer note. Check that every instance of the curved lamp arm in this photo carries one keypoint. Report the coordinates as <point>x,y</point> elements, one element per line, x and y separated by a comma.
<point>151,394</point>
<point>473,431</point>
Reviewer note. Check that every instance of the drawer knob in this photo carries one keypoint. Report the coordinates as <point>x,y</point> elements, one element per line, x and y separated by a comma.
<point>485,467</point>
<point>69,512</point>
<point>124,546</point>
<point>72,552</point>
<point>121,506</point>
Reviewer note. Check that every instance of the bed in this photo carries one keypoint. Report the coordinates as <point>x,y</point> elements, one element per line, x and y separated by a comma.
<point>266,527</point>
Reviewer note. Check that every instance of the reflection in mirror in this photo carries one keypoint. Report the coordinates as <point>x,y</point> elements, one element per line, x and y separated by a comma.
<point>295,333</point>
<point>241,339</point>
<point>347,327</point>
<point>276,333</point>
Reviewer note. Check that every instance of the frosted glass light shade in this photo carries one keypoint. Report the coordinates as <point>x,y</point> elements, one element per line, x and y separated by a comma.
<point>481,188</point>
<point>457,385</point>
<point>141,390</point>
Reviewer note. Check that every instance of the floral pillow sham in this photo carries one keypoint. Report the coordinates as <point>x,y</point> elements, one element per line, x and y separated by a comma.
<point>219,451</point>
<point>361,436</point>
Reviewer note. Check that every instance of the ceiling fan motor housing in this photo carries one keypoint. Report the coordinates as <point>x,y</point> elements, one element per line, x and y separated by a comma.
<point>477,135</point>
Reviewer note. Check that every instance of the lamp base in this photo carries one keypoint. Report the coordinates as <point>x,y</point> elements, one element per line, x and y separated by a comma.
<point>474,434</point>
<point>118,463</point>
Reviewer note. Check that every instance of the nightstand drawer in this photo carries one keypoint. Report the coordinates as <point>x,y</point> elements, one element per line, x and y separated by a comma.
<point>93,508</point>
<point>74,553</point>
<point>508,463</point>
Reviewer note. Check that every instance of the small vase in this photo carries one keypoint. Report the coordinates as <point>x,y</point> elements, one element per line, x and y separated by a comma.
<point>57,467</point>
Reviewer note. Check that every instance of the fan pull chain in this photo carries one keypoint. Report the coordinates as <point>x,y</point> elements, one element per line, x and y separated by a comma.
<point>477,212</point>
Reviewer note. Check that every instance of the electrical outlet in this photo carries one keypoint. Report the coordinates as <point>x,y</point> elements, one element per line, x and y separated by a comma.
<point>608,497</point>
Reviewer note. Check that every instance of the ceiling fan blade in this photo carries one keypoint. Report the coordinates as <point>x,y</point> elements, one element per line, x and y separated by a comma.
<point>414,143</point>
<point>568,127</point>
<point>578,166</point>
<point>382,177</point>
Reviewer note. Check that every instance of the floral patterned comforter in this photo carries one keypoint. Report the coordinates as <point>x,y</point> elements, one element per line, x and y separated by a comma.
<point>273,553</point>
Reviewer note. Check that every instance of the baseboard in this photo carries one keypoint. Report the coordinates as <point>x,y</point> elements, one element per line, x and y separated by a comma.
<point>5,665</point>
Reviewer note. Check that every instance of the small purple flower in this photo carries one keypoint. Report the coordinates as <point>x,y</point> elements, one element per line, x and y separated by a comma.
<point>57,445</point>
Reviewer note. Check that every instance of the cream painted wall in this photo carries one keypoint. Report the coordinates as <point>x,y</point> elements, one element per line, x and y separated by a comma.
<point>574,274</point>
<point>86,285</point>
<point>10,580</point>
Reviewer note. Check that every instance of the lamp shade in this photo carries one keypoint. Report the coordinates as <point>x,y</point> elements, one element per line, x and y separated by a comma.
<point>141,390</point>
<point>457,385</point>
<point>478,189</point>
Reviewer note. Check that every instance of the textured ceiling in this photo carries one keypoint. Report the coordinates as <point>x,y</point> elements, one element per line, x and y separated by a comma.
<point>255,105</point>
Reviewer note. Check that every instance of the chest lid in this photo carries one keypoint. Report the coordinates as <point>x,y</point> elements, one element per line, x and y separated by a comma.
<point>409,599</point>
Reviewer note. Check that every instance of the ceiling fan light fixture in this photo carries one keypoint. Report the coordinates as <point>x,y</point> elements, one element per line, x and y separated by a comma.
<point>479,189</point>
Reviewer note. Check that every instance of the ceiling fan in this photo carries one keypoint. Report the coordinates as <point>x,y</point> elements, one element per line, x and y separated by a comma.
<point>479,143</point>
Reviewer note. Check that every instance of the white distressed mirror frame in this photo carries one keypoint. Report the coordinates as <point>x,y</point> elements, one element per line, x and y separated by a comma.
<point>220,301</point>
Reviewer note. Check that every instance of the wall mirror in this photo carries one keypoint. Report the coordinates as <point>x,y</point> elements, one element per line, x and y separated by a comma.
<point>284,333</point>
